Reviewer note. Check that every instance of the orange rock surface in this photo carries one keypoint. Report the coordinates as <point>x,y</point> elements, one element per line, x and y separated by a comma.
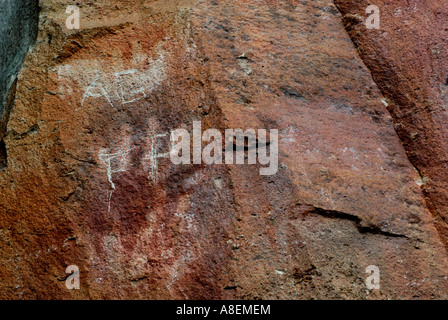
<point>82,187</point>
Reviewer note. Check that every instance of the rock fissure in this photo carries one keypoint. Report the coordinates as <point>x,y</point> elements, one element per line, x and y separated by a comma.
<point>361,225</point>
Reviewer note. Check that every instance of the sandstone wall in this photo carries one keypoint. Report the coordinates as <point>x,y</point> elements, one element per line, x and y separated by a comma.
<point>81,188</point>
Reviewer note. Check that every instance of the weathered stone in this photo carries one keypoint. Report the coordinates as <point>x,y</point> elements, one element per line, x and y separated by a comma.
<point>18,29</point>
<point>82,185</point>
<point>408,59</point>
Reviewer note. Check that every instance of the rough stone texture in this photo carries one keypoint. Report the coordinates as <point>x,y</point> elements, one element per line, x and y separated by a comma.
<point>408,58</point>
<point>81,187</point>
<point>18,29</point>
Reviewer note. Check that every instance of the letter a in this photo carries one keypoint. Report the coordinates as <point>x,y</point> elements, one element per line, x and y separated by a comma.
<point>373,21</point>
<point>72,281</point>
<point>373,281</point>
<point>182,147</point>
<point>72,21</point>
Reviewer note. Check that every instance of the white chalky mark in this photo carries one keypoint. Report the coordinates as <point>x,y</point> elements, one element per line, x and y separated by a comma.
<point>109,198</point>
<point>89,92</point>
<point>123,87</point>
<point>120,91</point>
<point>107,158</point>
<point>153,155</point>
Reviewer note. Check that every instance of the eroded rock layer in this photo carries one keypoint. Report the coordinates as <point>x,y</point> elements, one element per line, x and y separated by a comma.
<point>408,60</point>
<point>83,186</point>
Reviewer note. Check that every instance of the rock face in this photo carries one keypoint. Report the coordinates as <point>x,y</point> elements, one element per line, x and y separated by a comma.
<point>83,185</point>
<point>16,40</point>
<point>408,59</point>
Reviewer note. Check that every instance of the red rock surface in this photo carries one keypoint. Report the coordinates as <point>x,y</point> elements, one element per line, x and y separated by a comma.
<point>81,188</point>
<point>408,60</point>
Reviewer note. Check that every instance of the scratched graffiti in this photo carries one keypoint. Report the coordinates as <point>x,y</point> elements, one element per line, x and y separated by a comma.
<point>102,86</point>
<point>115,163</point>
<point>118,159</point>
<point>126,86</point>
